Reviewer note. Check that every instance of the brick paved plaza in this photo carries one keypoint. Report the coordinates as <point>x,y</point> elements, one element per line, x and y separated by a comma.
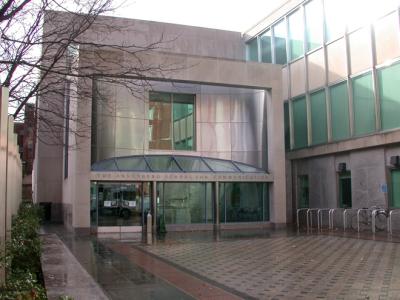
<point>247,265</point>
<point>308,267</point>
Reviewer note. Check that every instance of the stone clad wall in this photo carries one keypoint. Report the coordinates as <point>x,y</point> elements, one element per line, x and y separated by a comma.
<point>10,171</point>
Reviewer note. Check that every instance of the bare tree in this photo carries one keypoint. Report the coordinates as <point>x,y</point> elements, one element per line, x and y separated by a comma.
<point>41,47</point>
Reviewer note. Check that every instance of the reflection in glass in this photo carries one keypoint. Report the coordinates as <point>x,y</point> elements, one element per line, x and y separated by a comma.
<point>221,165</point>
<point>296,34</point>
<point>162,164</point>
<point>299,107</point>
<point>108,164</point>
<point>119,203</point>
<point>280,42</point>
<point>265,40</point>
<point>389,91</point>
<point>183,109</point>
<point>243,202</point>
<point>363,104</point>
<point>131,164</point>
<point>252,50</point>
<point>192,164</point>
<point>318,118</point>
<point>185,202</point>
<point>160,135</point>
<point>171,121</point>
<point>335,19</point>
<point>314,24</point>
<point>340,119</point>
<point>247,169</point>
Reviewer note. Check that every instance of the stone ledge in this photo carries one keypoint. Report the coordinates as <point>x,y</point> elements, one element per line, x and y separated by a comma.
<point>63,274</point>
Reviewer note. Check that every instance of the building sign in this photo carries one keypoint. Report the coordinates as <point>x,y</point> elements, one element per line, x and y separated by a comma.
<point>177,177</point>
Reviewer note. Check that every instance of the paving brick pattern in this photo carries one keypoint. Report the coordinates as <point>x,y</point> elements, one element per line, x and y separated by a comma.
<point>296,267</point>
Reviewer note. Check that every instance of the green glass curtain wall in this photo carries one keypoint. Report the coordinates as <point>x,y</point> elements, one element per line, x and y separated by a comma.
<point>280,42</point>
<point>389,91</point>
<point>318,118</point>
<point>363,104</point>
<point>252,50</point>
<point>185,202</point>
<point>243,202</point>
<point>287,125</point>
<point>340,119</point>
<point>296,34</point>
<point>265,40</point>
<point>300,122</point>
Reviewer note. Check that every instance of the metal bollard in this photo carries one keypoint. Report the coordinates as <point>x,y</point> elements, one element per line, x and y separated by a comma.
<point>149,222</point>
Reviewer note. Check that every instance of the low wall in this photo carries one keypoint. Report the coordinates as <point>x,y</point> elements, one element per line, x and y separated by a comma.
<point>10,172</point>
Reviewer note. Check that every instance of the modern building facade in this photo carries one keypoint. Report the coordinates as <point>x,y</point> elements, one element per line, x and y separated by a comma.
<point>302,110</point>
<point>341,92</point>
<point>200,147</point>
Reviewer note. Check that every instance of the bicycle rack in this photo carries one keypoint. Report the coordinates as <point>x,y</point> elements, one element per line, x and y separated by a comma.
<point>358,216</point>
<point>298,217</point>
<point>319,216</point>
<point>331,216</point>
<point>309,216</point>
<point>344,216</point>
<point>392,212</point>
<point>374,212</point>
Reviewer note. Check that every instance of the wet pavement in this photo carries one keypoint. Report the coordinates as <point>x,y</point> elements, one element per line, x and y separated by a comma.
<point>261,264</point>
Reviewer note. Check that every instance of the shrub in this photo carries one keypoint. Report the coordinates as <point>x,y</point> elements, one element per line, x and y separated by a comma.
<point>22,257</point>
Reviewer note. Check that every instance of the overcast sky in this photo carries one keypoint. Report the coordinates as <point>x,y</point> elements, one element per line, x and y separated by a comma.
<point>222,14</point>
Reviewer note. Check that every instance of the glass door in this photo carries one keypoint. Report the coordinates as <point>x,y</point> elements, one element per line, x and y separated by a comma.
<point>395,192</point>
<point>345,190</point>
<point>119,204</point>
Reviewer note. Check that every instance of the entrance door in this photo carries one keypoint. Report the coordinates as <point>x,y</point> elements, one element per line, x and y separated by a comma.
<point>120,206</point>
<point>345,190</point>
<point>303,192</point>
<point>395,195</point>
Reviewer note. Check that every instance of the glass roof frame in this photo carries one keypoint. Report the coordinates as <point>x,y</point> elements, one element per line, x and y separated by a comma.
<point>207,161</point>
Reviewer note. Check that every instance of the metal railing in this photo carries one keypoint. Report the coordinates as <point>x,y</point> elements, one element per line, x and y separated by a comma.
<point>309,216</point>
<point>298,216</point>
<point>391,213</point>
<point>320,215</point>
<point>332,212</point>
<point>358,216</point>
<point>346,213</point>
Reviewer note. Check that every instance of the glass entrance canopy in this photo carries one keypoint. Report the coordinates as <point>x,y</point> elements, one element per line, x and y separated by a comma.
<point>173,164</point>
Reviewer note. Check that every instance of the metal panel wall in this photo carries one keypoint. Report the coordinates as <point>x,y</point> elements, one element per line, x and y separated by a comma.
<point>230,122</point>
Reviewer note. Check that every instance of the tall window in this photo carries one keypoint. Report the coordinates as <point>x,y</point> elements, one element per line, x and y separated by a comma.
<point>340,111</point>
<point>300,122</point>
<point>389,90</point>
<point>171,121</point>
<point>314,24</point>
<point>67,100</point>
<point>280,42</point>
<point>296,34</point>
<point>318,118</point>
<point>335,18</point>
<point>364,104</point>
<point>265,40</point>
<point>252,50</point>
